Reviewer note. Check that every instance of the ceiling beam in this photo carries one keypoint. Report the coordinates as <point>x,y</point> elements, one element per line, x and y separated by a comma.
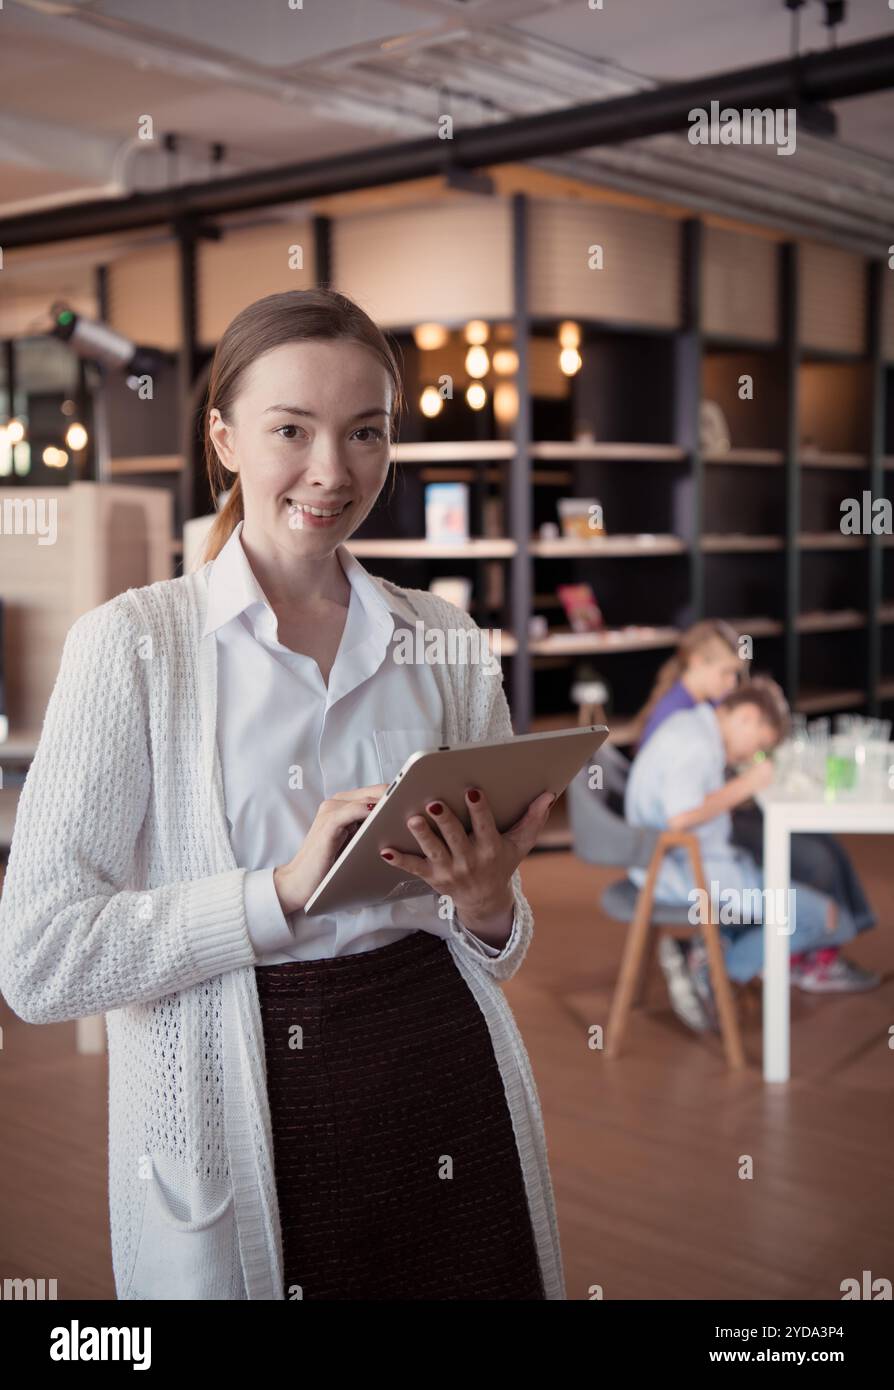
<point>817,77</point>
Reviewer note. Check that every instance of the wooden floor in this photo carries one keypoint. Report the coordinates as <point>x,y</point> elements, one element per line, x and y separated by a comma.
<point>645,1150</point>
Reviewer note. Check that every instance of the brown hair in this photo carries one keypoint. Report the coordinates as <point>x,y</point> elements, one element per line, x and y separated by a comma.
<point>692,640</point>
<point>768,696</point>
<point>289,317</point>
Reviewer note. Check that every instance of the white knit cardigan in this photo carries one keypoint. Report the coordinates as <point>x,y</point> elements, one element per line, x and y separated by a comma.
<point>122,897</point>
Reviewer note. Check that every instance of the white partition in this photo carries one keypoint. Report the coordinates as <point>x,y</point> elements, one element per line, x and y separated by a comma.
<point>102,538</point>
<point>640,277</point>
<point>144,296</point>
<point>832,300</point>
<point>248,264</point>
<point>447,261</point>
<point>63,553</point>
<point>740,285</point>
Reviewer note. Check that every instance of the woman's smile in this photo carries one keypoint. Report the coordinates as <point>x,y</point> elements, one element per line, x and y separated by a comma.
<point>307,514</point>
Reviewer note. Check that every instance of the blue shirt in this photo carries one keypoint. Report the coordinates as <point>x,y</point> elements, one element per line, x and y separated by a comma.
<point>683,762</point>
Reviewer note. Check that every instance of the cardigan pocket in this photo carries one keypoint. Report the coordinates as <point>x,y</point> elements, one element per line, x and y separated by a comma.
<point>188,1247</point>
<point>394,746</point>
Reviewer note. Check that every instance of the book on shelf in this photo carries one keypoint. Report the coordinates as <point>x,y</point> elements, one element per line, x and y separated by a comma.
<point>446,512</point>
<point>581,609</point>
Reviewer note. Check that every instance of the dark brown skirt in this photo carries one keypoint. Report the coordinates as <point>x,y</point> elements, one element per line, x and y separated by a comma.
<point>397,1170</point>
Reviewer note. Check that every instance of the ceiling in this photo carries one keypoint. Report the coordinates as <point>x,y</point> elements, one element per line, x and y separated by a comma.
<point>271,84</point>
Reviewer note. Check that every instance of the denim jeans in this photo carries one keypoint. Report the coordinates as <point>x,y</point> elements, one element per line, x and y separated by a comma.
<point>820,861</point>
<point>737,883</point>
<point>744,945</point>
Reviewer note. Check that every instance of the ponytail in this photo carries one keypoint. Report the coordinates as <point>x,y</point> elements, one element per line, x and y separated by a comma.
<point>694,639</point>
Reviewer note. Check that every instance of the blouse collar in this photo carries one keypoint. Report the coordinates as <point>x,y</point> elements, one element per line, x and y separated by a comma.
<point>233,588</point>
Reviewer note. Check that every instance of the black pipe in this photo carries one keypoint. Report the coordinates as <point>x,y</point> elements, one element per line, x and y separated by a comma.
<point>521,506</point>
<point>322,233</point>
<point>816,77</point>
<point>875,558</point>
<point>187,238</point>
<point>789,314</point>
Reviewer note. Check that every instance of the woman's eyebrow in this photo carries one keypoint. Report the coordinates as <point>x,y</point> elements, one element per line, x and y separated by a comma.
<point>297,410</point>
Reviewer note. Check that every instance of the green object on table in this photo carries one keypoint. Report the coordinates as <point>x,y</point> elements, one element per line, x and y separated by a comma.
<point>841,773</point>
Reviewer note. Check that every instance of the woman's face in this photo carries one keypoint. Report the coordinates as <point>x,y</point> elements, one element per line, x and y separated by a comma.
<point>310,425</point>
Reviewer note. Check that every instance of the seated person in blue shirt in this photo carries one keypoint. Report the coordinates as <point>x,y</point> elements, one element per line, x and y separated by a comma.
<point>677,782</point>
<point>707,666</point>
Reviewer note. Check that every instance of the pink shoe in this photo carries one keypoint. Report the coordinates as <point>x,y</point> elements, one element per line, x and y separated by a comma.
<point>827,971</point>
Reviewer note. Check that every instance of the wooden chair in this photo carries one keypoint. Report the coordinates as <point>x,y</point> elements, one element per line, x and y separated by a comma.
<point>602,836</point>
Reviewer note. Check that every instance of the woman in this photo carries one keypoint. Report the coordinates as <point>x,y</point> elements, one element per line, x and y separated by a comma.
<point>329,1107</point>
<point>705,666</point>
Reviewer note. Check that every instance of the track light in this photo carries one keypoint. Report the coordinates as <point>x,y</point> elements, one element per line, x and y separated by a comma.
<point>99,343</point>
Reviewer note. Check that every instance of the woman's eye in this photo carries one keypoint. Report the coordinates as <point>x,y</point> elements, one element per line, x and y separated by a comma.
<point>375,435</point>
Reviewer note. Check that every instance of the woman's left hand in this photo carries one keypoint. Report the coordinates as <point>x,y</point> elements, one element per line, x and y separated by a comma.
<point>474,868</point>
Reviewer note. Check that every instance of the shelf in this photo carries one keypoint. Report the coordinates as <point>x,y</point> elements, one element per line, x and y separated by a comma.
<point>757,627</point>
<point>829,699</point>
<point>620,727</point>
<point>723,545</point>
<point>542,477</point>
<point>886,689</point>
<point>633,639</point>
<point>581,449</point>
<point>607,547</point>
<point>454,451</point>
<point>841,356</point>
<point>494,548</point>
<point>886,612</point>
<point>837,621</point>
<point>153,463</point>
<point>819,458</point>
<point>502,643</point>
<point>602,547</point>
<point>760,458</point>
<point>728,342</point>
<point>830,540</point>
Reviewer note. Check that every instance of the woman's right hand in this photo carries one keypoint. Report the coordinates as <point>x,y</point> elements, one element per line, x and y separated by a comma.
<point>323,843</point>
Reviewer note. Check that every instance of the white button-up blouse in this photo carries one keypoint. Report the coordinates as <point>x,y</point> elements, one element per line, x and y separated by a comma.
<point>287,741</point>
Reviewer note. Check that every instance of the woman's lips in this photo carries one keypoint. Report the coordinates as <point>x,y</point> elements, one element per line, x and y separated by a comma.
<point>299,519</point>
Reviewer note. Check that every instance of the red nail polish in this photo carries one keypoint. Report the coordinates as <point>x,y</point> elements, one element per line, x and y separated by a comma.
<point>436,808</point>
<point>370,805</point>
<point>386,855</point>
<point>474,795</point>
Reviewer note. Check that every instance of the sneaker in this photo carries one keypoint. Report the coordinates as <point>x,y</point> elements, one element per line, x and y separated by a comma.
<point>699,973</point>
<point>684,997</point>
<point>827,971</point>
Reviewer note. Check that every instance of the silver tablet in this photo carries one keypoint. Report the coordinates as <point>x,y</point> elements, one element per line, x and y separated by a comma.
<point>512,773</point>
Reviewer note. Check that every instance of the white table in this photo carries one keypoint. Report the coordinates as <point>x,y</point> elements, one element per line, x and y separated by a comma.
<point>783,817</point>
